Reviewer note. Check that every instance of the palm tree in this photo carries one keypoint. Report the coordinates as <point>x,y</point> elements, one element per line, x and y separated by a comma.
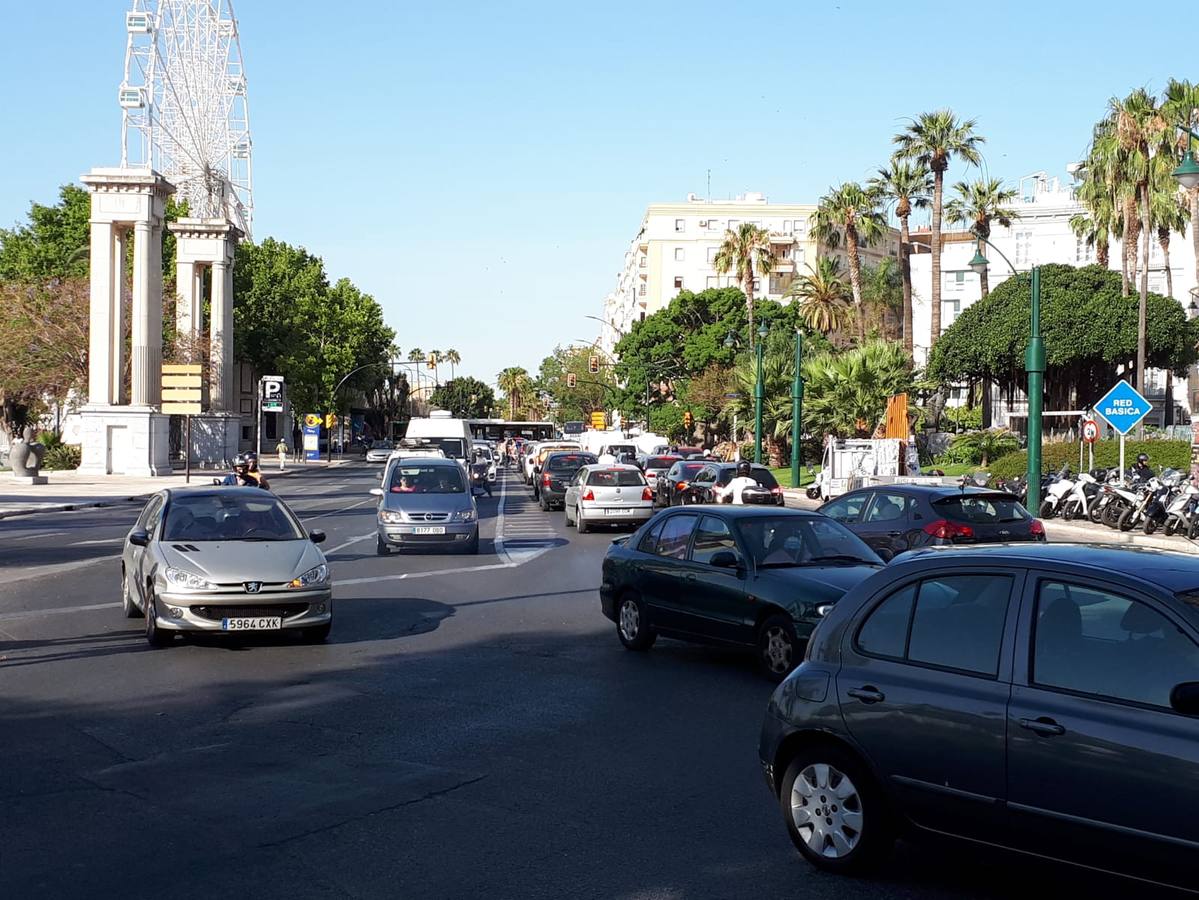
<point>905,186</point>
<point>740,252</point>
<point>977,204</point>
<point>1108,197</point>
<point>882,293</point>
<point>416,354</point>
<point>823,296</point>
<point>852,211</point>
<point>846,392</point>
<point>454,358</point>
<point>511,381</point>
<point>1170,214</point>
<point>1094,234</point>
<point>987,444</point>
<point>932,139</point>
<point>1180,106</point>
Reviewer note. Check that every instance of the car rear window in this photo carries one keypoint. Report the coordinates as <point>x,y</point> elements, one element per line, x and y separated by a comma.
<point>689,469</point>
<point>661,462</point>
<point>761,476</point>
<point>570,462</point>
<point>982,509</point>
<point>615,478</point>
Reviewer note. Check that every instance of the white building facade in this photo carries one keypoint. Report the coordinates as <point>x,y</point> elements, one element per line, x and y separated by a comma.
<point>675,247</point>
<point>1040,235</point>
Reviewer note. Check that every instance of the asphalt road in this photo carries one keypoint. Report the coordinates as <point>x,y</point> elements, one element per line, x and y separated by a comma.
<point>472,729</point>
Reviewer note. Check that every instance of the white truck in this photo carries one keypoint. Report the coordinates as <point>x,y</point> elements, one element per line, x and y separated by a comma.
<point>851,463</point>
<point>442,430</point>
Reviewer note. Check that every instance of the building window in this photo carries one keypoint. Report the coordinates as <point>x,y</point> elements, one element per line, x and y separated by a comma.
<point>641,262</point>
<point>678,282</point>
<point>679,254</point>
<point>643,315</point>
<point>713,224</point>
<point>712,255</point>
<point>1023,247</point>
<point>733,223</point>
<point>757,284</point>
<point>680,225</point>
<point>712,282</point>
<point>786,226</point>
<point>641,290</point>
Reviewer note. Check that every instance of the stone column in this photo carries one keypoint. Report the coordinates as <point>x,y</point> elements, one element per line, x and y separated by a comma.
<point>221,329</point>
<point>100,364</point>
<point>117,316</point>
<point>144,362</point>
<point>189,313</point>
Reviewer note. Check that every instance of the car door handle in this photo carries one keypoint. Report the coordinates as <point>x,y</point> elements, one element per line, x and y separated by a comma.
<point>894,533</point>
<point>1043,725</point>
<point>867,694</point>
<point>691,577</point>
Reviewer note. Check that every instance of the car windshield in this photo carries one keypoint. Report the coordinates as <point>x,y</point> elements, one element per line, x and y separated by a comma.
<point>789,541</point>
<point>982,509</point>
<point>616,478</point>
<point>381,445</point>
<point>230,516</point>
<point>418,479</point>
<point>761,476</point>
<point>569,462</point>
<point>451,447</point>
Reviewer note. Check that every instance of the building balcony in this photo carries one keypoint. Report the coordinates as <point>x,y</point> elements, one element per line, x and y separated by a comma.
<point>785,240</point>
<point>783,266</point>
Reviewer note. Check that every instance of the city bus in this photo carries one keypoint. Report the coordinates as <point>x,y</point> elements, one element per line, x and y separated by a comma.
<point>501,430</point>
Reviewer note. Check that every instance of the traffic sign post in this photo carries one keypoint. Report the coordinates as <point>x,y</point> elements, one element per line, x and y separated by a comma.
<point>270,399</point>
<point>1123,407</point>
<point>1090,434</point>
<point>183,395</point>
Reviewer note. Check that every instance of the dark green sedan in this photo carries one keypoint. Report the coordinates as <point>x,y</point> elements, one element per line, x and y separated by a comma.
<point>734,575</point>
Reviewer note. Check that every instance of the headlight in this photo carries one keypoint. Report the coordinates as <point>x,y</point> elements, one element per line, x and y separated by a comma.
<point>464,515</point>
<point>186,580</point>
<point>390,516</point>
<point>318,575</point>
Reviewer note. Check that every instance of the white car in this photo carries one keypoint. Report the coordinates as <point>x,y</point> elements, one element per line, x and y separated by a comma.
<point>608,495</point>
<point>380,451</point>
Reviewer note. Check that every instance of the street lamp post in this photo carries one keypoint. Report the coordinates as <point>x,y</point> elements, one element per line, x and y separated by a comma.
<point>1034,366</point>
<point>759,391</point>
<point>796,410</point>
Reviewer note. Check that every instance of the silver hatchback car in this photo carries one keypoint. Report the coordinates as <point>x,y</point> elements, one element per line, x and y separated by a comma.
<point>425,502</point>
<point>224,559</point>
<point>608,495</point>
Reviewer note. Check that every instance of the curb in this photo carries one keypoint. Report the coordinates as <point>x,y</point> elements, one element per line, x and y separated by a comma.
<point>67,507</point>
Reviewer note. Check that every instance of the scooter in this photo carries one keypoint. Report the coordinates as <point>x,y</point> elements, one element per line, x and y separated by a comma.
<point>1055,493</point>
<point>1162,497</point>
<point>478,478</point>
<point>1181,512</point>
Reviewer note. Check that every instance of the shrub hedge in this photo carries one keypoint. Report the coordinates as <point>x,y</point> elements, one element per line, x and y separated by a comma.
<point>1164,454</point>
<point>62,456</point>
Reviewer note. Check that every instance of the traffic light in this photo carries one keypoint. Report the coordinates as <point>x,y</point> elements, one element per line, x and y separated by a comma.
<point>598,421</point>
<point>432,363</point>
<point>571,379</point>
<point>330,420</point>
<point>687,419</point>
<point>593,365</point>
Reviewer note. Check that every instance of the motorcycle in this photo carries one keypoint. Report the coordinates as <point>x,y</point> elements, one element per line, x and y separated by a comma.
<point>1182,514</point>
<point>1161,498</point>
<point>478,478</point>
<point>1055,492</point>
<point>1083,500</point>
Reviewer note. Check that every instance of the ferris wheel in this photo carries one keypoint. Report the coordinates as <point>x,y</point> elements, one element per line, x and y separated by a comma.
<point>183,104</point>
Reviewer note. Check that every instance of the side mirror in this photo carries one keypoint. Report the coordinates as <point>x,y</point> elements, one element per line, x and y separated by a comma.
<point>316,536</point>
<point>139,538</point>
<point>1184,698</point>
<point>376,492</point>
<point>726,559</point>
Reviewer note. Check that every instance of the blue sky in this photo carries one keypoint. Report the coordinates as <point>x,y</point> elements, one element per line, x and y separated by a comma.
<point>480,168</point>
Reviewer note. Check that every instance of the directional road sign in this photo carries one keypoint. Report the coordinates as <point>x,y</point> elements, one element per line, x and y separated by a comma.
<point>1123,407</point>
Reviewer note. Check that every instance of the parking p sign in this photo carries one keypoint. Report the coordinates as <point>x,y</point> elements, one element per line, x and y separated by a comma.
<point>1123,407</point>
<point>272,393</point>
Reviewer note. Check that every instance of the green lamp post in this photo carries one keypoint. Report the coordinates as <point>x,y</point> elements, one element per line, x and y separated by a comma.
<point>1034,365</point>
<point>1187,173</point>
<point>797,410</point>
<point>759,392</point>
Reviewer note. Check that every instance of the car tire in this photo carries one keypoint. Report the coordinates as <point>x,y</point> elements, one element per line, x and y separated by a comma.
<point>778,649</point>
<point>861,820</point>
<point>155,636</point>
<point>128,607</point>
<point>632,624</point>
<point>381,547</point>
<point>579,523</point>
<point>317,634</point>
<point>473,547</point>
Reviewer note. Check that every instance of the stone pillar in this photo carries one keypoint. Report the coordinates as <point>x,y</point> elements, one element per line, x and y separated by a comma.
<point>221,352</point>
<point>117,317</point>
<point>100,323</point>
<point>189,311</point>
<point>145,342</point>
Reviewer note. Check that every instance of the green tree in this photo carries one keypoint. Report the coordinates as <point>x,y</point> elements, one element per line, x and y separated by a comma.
<point>983,446</point>
<point>850,213</point>
<point>742,251</point>
<point>977,204</point>
<point>882,295</point>
<point>416,355</point>
<point>454,358</point>
<point>822,296</point>
<point>513,381</point>
<point>1180,106</point>
<point>905,186</point>
<point>846,393</point>
<point>465,398</point>
<point>932,140</point>
<point>1090,331</point>
<point>54,243</point>
<point>591,393</point>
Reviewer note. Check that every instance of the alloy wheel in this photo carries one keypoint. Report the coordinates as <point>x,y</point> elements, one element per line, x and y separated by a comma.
<point>827,811</point>
<point>776,649</point>
<point>630,620</point>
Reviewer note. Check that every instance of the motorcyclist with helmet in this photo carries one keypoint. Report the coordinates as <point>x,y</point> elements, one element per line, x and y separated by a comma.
<point>731,492</point>
<point>245,473</point>
<point>1142,471</point>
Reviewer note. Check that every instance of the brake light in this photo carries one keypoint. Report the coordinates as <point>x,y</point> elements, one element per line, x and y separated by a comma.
<point>545,479</point>
<point>681,486</point>
<point>776,490</point>
<point>588,494</point>
<point>946,530</point>
<point>647,494</point>
<point>1036,528</point>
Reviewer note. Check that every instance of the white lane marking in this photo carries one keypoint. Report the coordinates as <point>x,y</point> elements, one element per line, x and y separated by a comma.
<point>117,540</point>
<point>327,512</point>
<point>460,570</point>
<point>42,534</point>
<point>56,611</point>
<point>498,540</point>
<point>353,540</point>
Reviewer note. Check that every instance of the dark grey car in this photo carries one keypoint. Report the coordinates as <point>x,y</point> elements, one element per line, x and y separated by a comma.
<point>425,502</point>
<point>556,474</point>
<point>1042,698</point>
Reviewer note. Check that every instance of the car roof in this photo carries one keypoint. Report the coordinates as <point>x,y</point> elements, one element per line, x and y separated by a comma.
<point>608,467</point>
<point>732,465</point>
<point>932,491</point>
<point>734,511</point>
<point>201,491</point>
<point>1171,570</point>
<point>432,460</point>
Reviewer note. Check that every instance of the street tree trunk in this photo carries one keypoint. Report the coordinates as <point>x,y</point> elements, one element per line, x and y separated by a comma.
<point>1141,307</point>
<point>1132,230</point>
<point>935,238</point>
<point>1102,253</point>
<point>747,285</point>
<point>855,279</point>
<point>1163,241</point>
<point>905,268</point>
<point>984,281</point>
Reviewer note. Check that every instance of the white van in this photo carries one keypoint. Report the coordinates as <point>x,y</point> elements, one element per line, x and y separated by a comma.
<point>442,430</point>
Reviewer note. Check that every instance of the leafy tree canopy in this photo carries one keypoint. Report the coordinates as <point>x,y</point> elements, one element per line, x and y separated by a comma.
<point>1088,327</point>
<point>591,393</point>
<point>465,398</point>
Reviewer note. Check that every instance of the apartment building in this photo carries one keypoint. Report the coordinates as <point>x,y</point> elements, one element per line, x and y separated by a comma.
<point>675,247</point>
<point>1040,235</point>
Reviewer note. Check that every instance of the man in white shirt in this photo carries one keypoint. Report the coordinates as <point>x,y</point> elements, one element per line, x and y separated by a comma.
<point>607,458</point>
<point>734,488</point>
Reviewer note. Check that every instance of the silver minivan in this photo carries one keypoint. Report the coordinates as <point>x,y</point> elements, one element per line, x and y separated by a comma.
<point>426,502</point>
<point>608,495</point>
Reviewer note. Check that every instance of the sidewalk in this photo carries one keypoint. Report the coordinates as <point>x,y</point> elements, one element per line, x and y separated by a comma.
<point>1065,532</point>
<point>69,490</point>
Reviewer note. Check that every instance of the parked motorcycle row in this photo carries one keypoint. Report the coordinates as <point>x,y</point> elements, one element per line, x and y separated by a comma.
<point>1167,500</point>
